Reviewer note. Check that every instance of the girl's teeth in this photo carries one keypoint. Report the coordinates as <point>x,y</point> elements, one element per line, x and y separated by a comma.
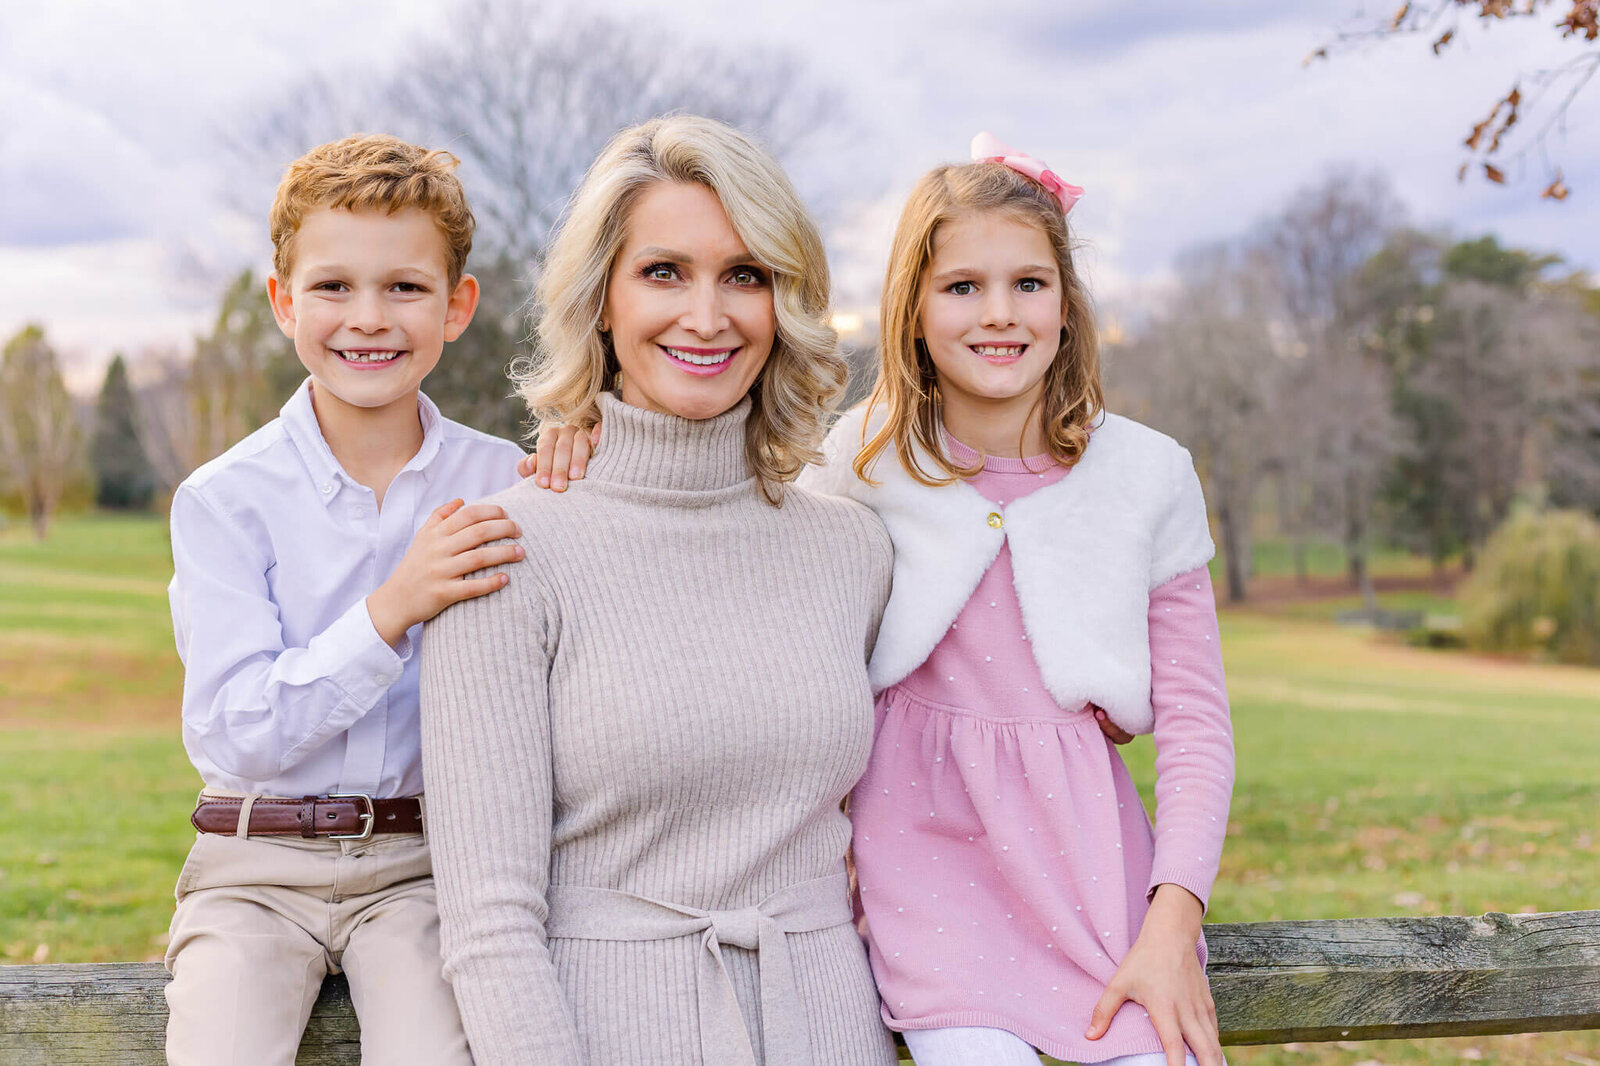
<point>992,349</point>
<point>699,360</point>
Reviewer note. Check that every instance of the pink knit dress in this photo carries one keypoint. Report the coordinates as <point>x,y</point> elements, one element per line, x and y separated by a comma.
<point>1005,858</point>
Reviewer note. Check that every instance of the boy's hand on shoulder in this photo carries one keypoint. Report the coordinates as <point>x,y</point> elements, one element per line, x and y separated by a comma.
<point>562,455</point>
<point>453,541</point>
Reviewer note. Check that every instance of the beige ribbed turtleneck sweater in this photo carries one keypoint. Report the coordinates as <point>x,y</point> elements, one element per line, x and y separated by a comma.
<point>669,700</point>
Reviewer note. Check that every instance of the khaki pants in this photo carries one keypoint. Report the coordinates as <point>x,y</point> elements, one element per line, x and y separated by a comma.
<point>261,920</point>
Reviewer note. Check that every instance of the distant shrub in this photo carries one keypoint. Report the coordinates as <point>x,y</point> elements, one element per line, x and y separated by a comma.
<point>1537,588</point>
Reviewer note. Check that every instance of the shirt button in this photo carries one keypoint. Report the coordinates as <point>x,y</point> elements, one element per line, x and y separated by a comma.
<point>995,521</point>
<point>327,488</point>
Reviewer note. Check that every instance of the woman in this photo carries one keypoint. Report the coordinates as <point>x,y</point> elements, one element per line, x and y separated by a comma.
<point>637,751</point>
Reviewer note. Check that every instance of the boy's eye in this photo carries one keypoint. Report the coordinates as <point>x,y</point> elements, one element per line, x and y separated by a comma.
<point>960,288</point>
<point>409,286</point>
<point>328,286</point>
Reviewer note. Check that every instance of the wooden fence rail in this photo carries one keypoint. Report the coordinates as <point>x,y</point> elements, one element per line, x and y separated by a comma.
<point>1350,979</point>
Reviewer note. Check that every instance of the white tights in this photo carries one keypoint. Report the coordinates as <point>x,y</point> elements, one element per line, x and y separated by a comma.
<point>980,1046</point>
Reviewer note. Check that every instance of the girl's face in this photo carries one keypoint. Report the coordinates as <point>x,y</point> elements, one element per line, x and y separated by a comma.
<point>991,314</point>
<point>689,310</point>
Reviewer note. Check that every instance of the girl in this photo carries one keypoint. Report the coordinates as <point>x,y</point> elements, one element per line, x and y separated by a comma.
<point>1049,562</point>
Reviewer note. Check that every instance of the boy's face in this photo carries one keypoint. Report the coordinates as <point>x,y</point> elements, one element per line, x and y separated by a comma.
<point>370,305</point>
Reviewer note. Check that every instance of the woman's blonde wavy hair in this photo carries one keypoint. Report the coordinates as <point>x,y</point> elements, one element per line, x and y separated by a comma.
<point>804,374</point>
<point>907,383</point>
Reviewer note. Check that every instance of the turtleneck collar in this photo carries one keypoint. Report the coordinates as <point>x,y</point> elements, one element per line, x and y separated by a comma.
<point>661,451</point>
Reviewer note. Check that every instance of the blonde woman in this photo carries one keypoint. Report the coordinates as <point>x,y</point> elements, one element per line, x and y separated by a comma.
<point>637,751</point>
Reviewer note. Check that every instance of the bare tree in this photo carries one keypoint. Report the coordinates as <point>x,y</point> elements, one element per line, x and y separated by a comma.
<point>1553,89</point>
<point>1206,370</point>
<point>40,438</point>
<point>1333,411</point>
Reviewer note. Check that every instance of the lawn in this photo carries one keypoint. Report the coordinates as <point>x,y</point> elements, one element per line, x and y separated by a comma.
<point>1373,778</point>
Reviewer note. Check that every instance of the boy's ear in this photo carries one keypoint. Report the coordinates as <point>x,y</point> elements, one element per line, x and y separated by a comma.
<point>281,296</point>
<point>463,302</point>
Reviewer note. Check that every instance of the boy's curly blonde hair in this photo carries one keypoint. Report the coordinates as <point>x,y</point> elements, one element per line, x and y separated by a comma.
<point>372,171</point>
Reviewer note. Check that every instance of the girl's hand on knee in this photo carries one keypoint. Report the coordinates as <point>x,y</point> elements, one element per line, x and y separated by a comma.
<point>1163,975</point>
<point>562,455</point>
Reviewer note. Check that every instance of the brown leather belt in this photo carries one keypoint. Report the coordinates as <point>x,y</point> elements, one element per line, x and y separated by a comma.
<point>339,817</point>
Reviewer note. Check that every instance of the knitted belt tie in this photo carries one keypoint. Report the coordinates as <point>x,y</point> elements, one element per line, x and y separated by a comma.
<point>580,912</point>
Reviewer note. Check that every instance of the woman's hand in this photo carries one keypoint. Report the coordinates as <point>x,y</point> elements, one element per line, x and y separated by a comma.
<point>1162,974</point>
<point>1112,730</point>
<point>561,455</point>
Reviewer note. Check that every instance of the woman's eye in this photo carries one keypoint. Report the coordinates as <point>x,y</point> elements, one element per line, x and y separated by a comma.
<point>748,276</point>
<point>961,288</point>
<point>661,272</point>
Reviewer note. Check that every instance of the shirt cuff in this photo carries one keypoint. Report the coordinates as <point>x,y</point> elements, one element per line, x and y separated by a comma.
<point>366,665</point>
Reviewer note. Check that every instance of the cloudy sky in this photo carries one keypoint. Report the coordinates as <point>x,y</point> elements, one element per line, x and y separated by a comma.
<point>1186,122</point>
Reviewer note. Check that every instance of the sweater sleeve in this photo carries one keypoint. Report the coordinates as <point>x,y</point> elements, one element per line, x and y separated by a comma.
<point>487,757</point>
<point>1193,734</point>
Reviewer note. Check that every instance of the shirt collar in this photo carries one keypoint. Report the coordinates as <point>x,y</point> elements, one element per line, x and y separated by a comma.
<point>300,419</point>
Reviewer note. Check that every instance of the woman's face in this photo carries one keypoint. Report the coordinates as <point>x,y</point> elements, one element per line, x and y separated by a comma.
<point>688,308</point>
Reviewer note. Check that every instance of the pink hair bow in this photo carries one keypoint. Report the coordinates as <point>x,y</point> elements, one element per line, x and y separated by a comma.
<point>987,148</point>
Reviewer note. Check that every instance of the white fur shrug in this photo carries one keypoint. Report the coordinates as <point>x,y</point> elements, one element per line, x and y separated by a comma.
<point>1085,551</point>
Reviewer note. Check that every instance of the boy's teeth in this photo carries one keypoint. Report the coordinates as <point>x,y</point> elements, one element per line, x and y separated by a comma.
<point>369,357</point>
<point>699,360</point>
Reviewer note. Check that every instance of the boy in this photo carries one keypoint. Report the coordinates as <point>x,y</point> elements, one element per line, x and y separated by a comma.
<point>301,583</point>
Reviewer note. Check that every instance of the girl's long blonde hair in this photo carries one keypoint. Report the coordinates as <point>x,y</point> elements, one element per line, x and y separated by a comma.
<point>907,384</point>
<point>803,375</point>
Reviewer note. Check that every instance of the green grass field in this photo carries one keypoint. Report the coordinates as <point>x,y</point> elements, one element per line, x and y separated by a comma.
<point>1373,778</point>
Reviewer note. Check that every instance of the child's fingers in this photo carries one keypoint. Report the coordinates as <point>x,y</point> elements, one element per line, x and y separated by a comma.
<point>472,587</point>
<point>543,452</point>
<point>1111,1000</point>
<point>561,458</point>
<point>443,511</point>
<point>1200,1032</point>
<point>483,558</point>
<point>471,515</point>
<point>1111,729</point>
<point>582,446</point>
<point>482,533</point>
<point>527,465</point>
<point>1170,1035</point>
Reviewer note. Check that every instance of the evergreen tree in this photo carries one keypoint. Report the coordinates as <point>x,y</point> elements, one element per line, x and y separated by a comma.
<point>124,478</point>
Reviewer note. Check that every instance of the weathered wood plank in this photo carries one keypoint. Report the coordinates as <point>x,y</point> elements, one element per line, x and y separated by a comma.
<point>1382,978</point>
<point>1351,979</point>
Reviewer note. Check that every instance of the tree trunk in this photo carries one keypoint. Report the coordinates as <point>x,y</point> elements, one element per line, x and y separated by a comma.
<point>1235,551</point>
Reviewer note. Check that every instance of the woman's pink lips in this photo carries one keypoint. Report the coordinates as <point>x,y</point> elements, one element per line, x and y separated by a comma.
<point>697,369</point>
<point>371,366</point>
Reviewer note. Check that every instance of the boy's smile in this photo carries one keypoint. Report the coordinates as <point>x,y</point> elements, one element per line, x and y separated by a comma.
<point>369,304</point>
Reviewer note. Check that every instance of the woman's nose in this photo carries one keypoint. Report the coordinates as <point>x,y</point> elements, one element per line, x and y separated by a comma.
<point>705,316</point>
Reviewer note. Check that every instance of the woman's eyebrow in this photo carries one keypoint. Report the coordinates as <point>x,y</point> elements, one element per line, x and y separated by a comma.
<point>657,252</point>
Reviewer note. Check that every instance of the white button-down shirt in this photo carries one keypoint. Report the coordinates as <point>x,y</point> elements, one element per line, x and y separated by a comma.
<point>288,689</point>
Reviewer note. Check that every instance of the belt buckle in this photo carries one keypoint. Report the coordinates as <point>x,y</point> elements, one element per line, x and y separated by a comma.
<point>367,817</point>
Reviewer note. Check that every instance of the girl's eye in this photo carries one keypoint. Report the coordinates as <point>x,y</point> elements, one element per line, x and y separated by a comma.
<point>960,288</point>
<point>1031,284</point>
